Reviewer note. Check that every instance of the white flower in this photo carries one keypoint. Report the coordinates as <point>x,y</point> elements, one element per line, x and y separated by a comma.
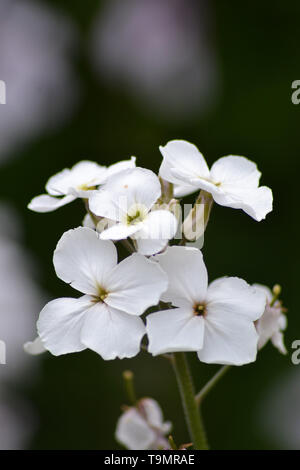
<point>272,323</point>
<point>142,427</point>
<point>232,181</point>
<point>105,319</point>
<point>127,199</point>
<point>217,320</point>
<point>77,182</point>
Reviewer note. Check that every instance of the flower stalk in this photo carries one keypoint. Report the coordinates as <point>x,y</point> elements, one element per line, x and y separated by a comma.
<point>210,384</point>
<point>192,414</point>
<point>129,386</point>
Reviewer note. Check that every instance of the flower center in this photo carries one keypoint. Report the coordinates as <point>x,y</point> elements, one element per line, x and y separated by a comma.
<point>200,310</point>
<point>132,219</point>
<point>136,214</point>
<point>100,296</point>
<point>86,187</point>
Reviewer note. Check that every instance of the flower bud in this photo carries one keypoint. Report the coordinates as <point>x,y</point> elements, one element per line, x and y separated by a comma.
<point>277,290</point>
<point>166,191</point>
<point>195,223</point>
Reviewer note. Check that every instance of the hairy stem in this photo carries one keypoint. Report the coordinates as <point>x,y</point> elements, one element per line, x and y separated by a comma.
<point>186,388</point>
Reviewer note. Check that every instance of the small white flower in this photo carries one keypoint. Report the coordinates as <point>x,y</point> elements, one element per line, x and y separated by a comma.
<point>272,323</point>
<point>142,427</point>
<point>77,182</point>
<point>127,199</point>
<point>217,320</point>
<point>233,181</point>
<point>105,319</point>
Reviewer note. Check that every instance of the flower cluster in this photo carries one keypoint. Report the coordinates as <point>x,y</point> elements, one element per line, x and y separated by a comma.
<point>224,321</point>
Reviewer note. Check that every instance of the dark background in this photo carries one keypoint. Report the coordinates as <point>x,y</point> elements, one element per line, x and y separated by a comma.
<point>77,397</point>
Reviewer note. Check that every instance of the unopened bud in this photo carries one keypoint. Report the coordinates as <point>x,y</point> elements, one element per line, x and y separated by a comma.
<point>166,190</point>
<point>277,290</point>
<point>195,223</point>
<point>175,207</point>
<point>276,293</point>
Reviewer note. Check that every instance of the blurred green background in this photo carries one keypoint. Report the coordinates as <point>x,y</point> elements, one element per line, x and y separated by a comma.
<point>255,45</point>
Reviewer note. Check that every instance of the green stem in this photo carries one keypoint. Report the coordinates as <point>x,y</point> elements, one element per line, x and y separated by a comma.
<point>129,386</point>
<point>172,443</point>
<point>192,415</point>
<point>210,384</point>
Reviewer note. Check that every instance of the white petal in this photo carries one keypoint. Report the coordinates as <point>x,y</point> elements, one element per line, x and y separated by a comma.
<point>238,180</point>
<point>103,175</point>
<point>230,336</point>
<point>232,295</point>
<point>119,231</point>
<point>267,291</point>
<point>278,342</point>
<point>181,190</point>
<point>257,202</point>
<point>186,159</point>
<point>88,222</point>
<point>83,260</point>
<point>158,227</point>
<point>120,166</point>
<point>135,284</point>
<point>271,323</point>
<point>196,182</point>
<point>45,203</point>
<point>124,190</point>
<point>282,322</point>
<point>174,330</point>
<point>83,173</point>
<point>104,204</point>
<point>112,333</point>
<point>60,322</point>
<point>187,275</point>
<point>148,247</point>
<point>154,415</point>
<point>228,339</point>
<point>268,325</point>
<point>82,193</point>
<point>235,170</point>
<point>34,347</point>
<point>133,431</point>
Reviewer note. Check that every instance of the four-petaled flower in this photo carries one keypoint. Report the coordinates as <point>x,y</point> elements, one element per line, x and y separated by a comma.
<point>107,318</point>
<point>233,181</point>
<point>142,427</point>
<point>217,320</point>
<point>273,322</point>
<point>127,199</point>
<point>77,182</point>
